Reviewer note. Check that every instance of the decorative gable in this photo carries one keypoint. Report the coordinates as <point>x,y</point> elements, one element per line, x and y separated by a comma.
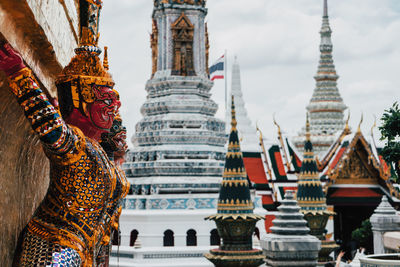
<point>357,165</point>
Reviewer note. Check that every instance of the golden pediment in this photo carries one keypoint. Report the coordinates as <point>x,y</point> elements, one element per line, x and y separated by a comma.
<point>357,166</point>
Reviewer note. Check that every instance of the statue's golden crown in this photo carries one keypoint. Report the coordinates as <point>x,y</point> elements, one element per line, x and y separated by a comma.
<point>86,68</point>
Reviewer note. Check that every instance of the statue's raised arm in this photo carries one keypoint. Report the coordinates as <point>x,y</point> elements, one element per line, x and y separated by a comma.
<point>43,116</point>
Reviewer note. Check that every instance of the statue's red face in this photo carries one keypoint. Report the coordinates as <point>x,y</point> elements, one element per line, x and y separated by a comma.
<point>104,108</point>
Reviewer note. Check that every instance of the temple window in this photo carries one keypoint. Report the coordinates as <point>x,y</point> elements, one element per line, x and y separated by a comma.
<point>134,236</point>
<point>116,241</point>
<point>168,238</point>
<point>193,126</point>
<point>215,240</point>
<point>191,238</point>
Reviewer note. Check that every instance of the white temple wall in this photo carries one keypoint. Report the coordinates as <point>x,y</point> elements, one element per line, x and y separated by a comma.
<point>151,225</point>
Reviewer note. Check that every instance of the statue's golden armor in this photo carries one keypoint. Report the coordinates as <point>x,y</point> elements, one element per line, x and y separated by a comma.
<point>74,221</point>
<point>85,191</point>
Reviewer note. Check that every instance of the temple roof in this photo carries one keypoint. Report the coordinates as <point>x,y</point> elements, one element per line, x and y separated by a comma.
<point>350,151</point>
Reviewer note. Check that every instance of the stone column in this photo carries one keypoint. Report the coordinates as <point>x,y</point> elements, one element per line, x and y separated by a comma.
<point>290,243</point>
<point>383,220</point>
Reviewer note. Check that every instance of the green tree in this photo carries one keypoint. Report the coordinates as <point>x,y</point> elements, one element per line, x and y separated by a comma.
<point>363,234</point>
<point>390,131</point>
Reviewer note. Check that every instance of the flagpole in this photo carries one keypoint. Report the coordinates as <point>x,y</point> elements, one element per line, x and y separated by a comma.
<point>226,81</point>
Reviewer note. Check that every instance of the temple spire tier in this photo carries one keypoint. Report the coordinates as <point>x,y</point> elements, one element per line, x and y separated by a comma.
<point>289,244</point>
<point>326,106</point>
<point>235,219</point>
<point>311,198</point>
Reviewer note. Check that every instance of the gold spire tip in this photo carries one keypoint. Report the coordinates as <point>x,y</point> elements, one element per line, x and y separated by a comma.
<point>105,60</point>
<point>307,127</point>
<point>277,125</point>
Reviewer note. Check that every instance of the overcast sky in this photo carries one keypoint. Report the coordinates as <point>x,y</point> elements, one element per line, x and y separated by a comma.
<point>277,44</point>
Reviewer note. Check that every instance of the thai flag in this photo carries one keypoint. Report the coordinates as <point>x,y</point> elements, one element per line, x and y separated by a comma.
<point>217,70</point>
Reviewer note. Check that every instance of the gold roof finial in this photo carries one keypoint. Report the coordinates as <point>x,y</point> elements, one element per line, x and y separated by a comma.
<point>373,126</point>
<point>359,125</point>
<point>347,127</point>
<point>265,155</point>
<point>258,130</point>
<point>233,112</point>
<point>277,125</point>
<point>282,143</point>
<point>105,60</point>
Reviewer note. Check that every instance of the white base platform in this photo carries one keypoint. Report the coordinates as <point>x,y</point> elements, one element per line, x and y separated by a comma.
<point>160,257</point>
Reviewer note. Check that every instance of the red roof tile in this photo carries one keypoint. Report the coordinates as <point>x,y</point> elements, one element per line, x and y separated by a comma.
<point>255,170</point>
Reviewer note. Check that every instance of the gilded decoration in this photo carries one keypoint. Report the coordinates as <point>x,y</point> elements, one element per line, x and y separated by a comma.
<point>358,164</point>
<point>85,70</point>
<point>182,36</point>
<point>154,46</point>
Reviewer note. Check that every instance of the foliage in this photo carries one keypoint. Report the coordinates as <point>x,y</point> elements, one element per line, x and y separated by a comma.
<point>363,234</point>
<point>390,131</point>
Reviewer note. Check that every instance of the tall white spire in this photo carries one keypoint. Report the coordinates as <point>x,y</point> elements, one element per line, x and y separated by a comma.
<point>325,8</point>
<point>247,132</point>
<point>326,105</point>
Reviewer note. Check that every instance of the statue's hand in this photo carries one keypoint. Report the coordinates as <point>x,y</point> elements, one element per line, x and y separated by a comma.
<point>10,61</point>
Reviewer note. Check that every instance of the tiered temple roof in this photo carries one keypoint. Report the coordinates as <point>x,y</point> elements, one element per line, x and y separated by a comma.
<point>234,195</point>
<point>352,170</point>
<point>290,243</point>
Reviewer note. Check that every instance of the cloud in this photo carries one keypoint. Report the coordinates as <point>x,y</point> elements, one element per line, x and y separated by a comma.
<point>277,43</point>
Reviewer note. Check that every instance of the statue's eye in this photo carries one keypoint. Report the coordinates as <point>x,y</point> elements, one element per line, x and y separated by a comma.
<point>115,127</point>
<point>107,102</point>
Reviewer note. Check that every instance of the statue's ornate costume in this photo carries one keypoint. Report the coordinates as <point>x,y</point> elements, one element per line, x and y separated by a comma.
<point>114,144</point>
<point>82,204</point>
